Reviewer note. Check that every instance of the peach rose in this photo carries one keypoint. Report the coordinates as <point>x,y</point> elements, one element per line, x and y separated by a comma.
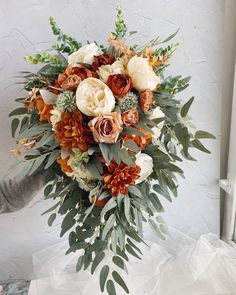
<point>71,83</point>
<point>106,128</point>
<point>130,117</point>
<point>120,84</point>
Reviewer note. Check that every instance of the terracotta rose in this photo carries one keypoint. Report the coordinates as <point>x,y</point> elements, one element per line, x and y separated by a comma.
<point>146,100</point>
<point>106,128</point>
<point>120,84</point>
<point>103,59</point>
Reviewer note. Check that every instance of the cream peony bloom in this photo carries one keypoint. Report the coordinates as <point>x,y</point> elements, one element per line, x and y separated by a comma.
<point>145,162</point>
<point>105,71</point>
<point>94,97</point>
<point>55,117</point>
<point>142,75</point>
<point>84,55</point>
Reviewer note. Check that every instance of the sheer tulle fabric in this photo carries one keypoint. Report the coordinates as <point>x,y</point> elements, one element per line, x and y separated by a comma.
<point>178,266</point>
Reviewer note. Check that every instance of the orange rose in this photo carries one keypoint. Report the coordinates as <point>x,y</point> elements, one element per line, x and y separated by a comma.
<point>120,84</point>
<point>130,117</point>
<point>103,59</point>
<point>146,100</point>
<point>106,128</point>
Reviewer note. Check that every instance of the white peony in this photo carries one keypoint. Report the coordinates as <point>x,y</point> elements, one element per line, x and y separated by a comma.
<point>84,55</point>
<point>94,97</point>
<point>145,162</point>
<point>105,71</point>
<point>55,117</point>
<point>142,75</point>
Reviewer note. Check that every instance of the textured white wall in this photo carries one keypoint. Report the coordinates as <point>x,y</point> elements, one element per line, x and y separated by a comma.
<point>24,30</point>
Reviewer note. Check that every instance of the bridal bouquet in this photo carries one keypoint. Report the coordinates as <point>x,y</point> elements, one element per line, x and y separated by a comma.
<point>104,123</point>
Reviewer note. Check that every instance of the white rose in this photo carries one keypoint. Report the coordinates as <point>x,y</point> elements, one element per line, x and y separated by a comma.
<point>94,97</point>
<point>145,162</point>
<point>105,71</point>
<point>84,55</point>
<point>55,117</point>
<point>142,75</point>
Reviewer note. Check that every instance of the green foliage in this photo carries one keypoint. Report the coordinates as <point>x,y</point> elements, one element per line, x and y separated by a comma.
<point>45,58</point>
<point>174,85</point>
<point>167,53</point>
<point>120,25</point>
<point>66,43</point>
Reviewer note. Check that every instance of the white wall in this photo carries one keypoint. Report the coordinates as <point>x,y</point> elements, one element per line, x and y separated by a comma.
<point>24,30</point>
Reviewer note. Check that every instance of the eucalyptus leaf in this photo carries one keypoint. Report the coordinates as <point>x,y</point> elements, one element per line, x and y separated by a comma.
<point>14,124</point>
<point>51,219</point>
<point>120,281</point>
<point>110,288</point>
<point>97,260</point>
<point>111,204</point>
<point>186,107</point>
<point>127,208</point>
<point>103,276</point>
<point>18,111</point>
<point>80,263</point>
<point>108,226</point>
<point>200,134</point>
<point>131,251</point>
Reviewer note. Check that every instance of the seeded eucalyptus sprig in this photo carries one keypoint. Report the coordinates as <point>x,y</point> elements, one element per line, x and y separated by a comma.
<point>45,58</point>
<point>66,43</point>
<point>120,25</point>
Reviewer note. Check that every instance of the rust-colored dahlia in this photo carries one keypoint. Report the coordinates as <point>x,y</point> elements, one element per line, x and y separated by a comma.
<point>44,109</point>
<point>64,164</point>
<point>103,59</point>
<point>141,141</point>
<point>70,132</point>
<point>119,177</point>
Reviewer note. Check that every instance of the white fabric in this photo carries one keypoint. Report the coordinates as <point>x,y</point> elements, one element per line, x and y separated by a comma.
<point>178,266</point>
